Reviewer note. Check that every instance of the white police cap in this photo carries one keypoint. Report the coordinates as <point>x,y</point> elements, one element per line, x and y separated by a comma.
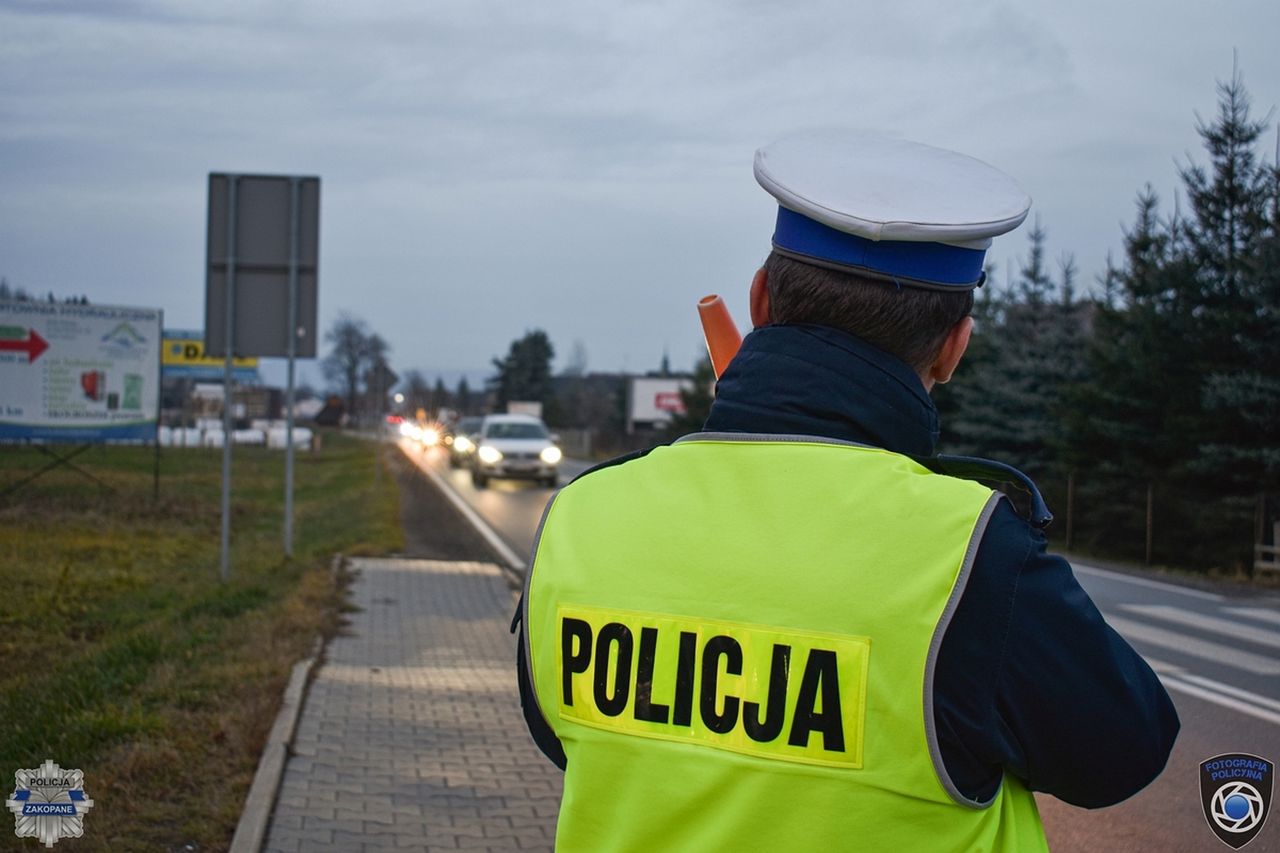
<point>888,208</point>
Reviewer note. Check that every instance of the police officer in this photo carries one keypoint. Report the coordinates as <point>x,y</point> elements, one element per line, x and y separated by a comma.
<point>800,629</point>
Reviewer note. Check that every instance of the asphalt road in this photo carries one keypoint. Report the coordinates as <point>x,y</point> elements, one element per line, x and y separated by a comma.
<point>1216,648</point>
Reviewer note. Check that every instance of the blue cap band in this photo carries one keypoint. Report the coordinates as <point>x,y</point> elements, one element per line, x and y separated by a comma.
<point>934,264</point>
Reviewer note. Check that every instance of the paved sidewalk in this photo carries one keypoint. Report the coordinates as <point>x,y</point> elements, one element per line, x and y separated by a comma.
<point>411,736</point>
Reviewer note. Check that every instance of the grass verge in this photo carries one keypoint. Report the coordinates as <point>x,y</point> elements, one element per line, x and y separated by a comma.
<point>121,652</point>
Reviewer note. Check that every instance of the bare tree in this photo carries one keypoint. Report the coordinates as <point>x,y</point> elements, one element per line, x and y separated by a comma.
<point>417,392</point>
<point>342,366</point>
<point>379,378</point>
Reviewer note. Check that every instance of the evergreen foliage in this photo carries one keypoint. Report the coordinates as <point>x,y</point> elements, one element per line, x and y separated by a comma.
<point>525,372</point>
<point>1027,349</point>
<point>440,398</point>
<point>1183,392</point>
<point>462,397</point>
<point>18,294</point>
<point>1237,239</point>
<point>697,400</point>
<point>1165,383</point>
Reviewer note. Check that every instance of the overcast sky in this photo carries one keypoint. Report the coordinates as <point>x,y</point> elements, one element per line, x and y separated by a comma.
<point>580,167</point>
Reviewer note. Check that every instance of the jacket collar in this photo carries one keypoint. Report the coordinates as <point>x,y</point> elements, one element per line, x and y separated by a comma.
<point>816,380</point>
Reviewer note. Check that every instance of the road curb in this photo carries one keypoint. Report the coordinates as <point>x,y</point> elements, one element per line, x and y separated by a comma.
<point>251,831</point>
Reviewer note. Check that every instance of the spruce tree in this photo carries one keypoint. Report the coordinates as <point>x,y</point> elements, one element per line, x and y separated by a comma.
<point>525,372</point>
<point>1184,390</point>
<point>1242,392</point>
<point>462,397</point>
<point>1117,420</point>
<point>1026,348</point>
<point>439,397</point>
<point>697,399</point>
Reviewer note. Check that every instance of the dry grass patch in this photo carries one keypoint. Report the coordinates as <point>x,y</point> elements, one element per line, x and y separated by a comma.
<point>123,655</point>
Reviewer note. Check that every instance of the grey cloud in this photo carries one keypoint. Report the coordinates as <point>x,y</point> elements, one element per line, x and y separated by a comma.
<point>491,166</point>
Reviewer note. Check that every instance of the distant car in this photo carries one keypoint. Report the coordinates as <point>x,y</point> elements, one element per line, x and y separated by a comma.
<point>428,434</point>
<point>516,446</point>
<point>461,441</point>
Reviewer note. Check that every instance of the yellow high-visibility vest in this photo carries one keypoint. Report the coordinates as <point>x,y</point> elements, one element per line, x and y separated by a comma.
<point>734,639</point>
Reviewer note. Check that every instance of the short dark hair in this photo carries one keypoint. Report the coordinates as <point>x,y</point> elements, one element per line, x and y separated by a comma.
<point>910,323</point>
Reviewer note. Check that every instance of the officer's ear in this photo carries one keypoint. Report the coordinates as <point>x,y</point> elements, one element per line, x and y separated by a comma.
<point>953,347</point>
<point>760,299</point>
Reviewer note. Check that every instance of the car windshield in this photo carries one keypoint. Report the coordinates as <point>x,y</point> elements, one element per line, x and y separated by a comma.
<point>466,426</point>
<point>515,430</point>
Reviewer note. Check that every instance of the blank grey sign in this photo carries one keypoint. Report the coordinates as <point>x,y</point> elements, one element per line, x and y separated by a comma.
<point>262,249</point>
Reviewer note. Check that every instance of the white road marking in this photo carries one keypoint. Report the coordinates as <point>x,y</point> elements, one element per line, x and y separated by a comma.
<point>1195,647</point>
<point>1177,678</point>
<point>1225,627</point>
<point>1085,569</point>
<point>1244,695</point>
<point>1174,683</point>
<point>1260,614</point>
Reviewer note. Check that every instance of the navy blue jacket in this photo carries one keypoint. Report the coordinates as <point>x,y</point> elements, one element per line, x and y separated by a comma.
<point>1030,679</point>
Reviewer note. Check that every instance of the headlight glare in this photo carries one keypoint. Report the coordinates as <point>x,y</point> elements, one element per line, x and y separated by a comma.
<point>551,455</point>
<point>489,455</point>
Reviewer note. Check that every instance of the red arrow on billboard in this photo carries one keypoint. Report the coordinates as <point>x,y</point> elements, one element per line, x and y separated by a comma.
<point>33,345</point>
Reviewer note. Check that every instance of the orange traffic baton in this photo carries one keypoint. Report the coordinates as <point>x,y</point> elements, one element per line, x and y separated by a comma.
<point>723,337</point>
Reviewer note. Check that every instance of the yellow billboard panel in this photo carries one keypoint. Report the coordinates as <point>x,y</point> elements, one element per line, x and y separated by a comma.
<point>189,352</point>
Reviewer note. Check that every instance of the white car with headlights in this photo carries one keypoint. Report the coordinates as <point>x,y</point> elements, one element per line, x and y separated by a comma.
<point>516,446</point>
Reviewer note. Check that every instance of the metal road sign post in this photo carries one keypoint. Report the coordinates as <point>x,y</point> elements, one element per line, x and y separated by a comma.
<point>228,387</point>
<point>263,260</point>
<point>293,349</point>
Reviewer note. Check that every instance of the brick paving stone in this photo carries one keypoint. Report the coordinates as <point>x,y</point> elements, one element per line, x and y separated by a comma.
<point>411,736</point>
<point>282,844</point>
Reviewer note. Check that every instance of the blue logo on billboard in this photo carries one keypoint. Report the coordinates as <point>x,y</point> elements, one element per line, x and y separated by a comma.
<point>123,338</point>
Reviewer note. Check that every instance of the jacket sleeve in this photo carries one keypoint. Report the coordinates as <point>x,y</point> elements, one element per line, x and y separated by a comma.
<point>1077,712</point>
<point>539,729</point>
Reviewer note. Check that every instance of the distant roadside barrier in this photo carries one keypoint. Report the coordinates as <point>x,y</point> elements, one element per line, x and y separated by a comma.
<point>266,434</point>
<point>1207,524</point>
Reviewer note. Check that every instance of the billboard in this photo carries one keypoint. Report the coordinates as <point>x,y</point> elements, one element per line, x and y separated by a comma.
<point>654,399</point>
<point>80,373</point>
<point>183,357</point>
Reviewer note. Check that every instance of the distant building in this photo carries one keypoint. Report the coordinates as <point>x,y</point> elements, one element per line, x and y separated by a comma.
<point>653,400</point>
<point>191,382</point>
